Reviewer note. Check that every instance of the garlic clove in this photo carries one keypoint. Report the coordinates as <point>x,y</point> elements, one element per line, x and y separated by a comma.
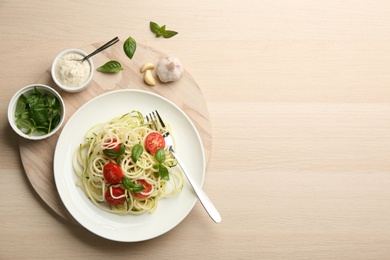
<point>149,79</point>
<point>147,66</point>
<point>169,69</point>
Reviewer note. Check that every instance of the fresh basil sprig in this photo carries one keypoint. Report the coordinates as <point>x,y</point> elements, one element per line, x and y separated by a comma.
<point>37,112</point>
<point>111,66</point>
<point>136,152</point>
<point>116,155</point>
<point>160,158</point>
<point>129,185</point>
<point>129,46</point>
<point>161,31</point>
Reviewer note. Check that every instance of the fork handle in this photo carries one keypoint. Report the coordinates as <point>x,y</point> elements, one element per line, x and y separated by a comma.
<point>206,202</point>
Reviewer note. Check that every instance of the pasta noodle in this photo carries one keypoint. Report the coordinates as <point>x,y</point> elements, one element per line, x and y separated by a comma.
<point>90,158</point>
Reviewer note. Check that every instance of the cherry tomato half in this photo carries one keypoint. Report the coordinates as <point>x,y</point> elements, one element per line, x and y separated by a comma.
<point>146,191</point>
<point>112,173</point>
<point>116,191</point>
<point>154,141</point>
<point>108,144</point>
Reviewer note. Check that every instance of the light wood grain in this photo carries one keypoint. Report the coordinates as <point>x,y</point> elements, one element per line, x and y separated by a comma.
<point>299,103</point>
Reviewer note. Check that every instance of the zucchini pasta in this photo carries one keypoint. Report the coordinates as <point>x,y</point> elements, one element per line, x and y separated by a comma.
<point>123,166</point>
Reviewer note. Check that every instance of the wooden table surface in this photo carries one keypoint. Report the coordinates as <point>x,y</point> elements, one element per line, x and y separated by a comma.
<point>298,94</point>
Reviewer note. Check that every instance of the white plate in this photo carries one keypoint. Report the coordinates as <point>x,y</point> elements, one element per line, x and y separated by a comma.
<point>128,228</point>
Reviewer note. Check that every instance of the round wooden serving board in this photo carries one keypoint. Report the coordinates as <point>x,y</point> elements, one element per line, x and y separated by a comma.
<point>37,156</point>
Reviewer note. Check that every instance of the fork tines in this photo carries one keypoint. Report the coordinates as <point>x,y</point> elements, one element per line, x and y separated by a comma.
<point>159,119</point>
<point>157,122</point>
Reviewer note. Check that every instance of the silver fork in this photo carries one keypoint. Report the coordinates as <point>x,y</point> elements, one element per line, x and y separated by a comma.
<point>159,125</point>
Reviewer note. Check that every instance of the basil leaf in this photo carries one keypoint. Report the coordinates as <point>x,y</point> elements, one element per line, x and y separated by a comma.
<point>39,113</point>
<point>119,160</point>
<point>111,153</point>
<point>168,34</point>
<point>53,112</point>
<point>25,125</point>
<point>33,99</point>
<point>42,129</point>
<point>160,155</point>
<point>53,103</point>
<point>37,91</point>
<point>154,27</point>
<point>129,185</point>
<point>126,182</point>
<point>129,46</point>
<point>121,150</point>
<point>46,100</point>
<point>137,188</point>
<point>136,152</point>
<point>24,115</point>
<point>20,105</point>
<point>56,118</point>
<point>110,67</point>
<point>163,172</point>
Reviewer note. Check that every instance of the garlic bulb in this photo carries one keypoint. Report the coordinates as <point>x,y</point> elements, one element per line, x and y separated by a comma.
<point>169,69</point>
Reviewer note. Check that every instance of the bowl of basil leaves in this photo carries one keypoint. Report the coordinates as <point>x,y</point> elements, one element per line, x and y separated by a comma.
<point>36,112</point>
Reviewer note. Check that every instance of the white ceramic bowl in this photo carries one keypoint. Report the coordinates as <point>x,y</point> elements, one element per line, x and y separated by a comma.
<point>27,91</point>
<point>60,83</point>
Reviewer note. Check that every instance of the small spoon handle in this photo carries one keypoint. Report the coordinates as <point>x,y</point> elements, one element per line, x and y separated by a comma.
<point>103,47</point>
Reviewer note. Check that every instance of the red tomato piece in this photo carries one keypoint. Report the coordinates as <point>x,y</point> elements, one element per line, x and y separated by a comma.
<point>154,141</point>
<point>146,191</point>
<point>108,144</point>
<point>116,192</point>
<point>112,173</point>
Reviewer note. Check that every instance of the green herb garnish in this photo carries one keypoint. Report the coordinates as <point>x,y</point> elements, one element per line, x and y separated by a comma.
<point>136,152</point>
<point>160,155</point>
<point>163,172</point>
<point>37,112</point>
<point>116,155</point>
<point>129,46</point>
<point>112,66</point>
<point>161,31</point>
<point>160,158</point>
<point>129,185</point>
